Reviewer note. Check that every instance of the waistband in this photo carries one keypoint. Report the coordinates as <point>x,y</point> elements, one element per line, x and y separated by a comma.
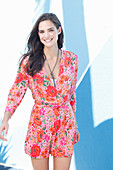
<point>51,103</point>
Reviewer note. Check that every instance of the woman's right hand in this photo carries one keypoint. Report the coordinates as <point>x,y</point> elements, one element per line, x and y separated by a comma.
<point>4,126</point>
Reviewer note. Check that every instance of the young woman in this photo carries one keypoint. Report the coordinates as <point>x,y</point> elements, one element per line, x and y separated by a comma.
<point>51,75</point>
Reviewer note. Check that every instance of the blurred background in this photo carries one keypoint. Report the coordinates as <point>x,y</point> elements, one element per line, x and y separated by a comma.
<point>88,31</point>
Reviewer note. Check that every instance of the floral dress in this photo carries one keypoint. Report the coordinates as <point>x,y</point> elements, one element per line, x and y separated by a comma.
<point>52,127</point>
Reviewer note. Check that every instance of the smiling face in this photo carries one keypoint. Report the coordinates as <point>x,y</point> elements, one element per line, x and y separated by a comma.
<point>48,33</point>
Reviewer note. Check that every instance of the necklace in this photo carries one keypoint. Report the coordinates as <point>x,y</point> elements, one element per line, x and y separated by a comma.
<point>51,71</point>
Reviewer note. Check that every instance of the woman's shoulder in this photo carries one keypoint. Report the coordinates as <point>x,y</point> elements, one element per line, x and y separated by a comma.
<point>25,60</point>
<point>70,54</point>
<point>23,63</point>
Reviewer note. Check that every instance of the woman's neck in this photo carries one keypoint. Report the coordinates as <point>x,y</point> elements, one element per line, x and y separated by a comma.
<point>51,52</point>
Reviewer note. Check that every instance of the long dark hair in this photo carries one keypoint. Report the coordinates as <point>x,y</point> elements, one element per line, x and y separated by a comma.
<point>35,47</point>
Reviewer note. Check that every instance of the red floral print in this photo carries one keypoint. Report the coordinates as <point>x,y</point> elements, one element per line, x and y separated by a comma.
<point>39,79</point>
<point>61,70</point>
<point>39,91</point>
<point>35,151</point>
<point>37,121</point>
<point>73,102</point>
<point>65,98</point>
<point>60,151</point>
<point>40,135</point>
<point>67,62</point>
<point>56,110</point>
<point>20,77</point>
<point>52,126</point>
<point>66,78</point>
<point>75,137</point>
<point>43,154</point>
<point>61,81</point>
<point>64,122</point>
<point>51,91</point>
<point>70,126</point>
<point>57,125</point>
<point>18,94</point>
<point>53,152</point>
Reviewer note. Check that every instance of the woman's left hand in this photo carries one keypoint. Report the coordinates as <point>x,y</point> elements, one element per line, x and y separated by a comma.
<point>77,136</point>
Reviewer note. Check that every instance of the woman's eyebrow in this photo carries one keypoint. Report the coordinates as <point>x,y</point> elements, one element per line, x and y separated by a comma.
<point>50,28</point>
<point>47,29</point>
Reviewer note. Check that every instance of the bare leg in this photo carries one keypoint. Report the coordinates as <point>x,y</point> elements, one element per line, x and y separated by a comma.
<point>40,164</point>
<point>62,163</point>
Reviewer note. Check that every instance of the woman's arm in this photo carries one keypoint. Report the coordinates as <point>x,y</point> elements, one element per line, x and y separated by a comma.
<point>73,86</point>
<point>73,96</point>
<point>7,116</point>
<point>18,89</point>
<point>15,97</point>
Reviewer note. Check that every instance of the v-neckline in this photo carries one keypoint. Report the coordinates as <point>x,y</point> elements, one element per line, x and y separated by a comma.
<point>59,70</point>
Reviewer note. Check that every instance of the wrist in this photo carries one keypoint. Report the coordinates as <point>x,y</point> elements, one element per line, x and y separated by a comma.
<point>7,116</point>
<point>5,120</point>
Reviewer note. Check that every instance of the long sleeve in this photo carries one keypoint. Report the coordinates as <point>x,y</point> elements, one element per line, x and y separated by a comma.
<point>18,89</point>
<point>73,86</point>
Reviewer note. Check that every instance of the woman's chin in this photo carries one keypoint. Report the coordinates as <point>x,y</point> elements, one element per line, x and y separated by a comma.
<point>49,45</point>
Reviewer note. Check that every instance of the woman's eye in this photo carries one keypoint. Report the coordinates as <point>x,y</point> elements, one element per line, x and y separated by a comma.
<point>51,30</point>
<point>41,32</point>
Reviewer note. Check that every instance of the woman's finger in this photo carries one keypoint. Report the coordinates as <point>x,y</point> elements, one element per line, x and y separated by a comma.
<point>78,136</point>
<point>1,130</point>
<point>2,137</point>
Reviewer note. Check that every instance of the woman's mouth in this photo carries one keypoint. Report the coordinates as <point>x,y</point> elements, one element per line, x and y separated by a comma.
<point>48,40</point>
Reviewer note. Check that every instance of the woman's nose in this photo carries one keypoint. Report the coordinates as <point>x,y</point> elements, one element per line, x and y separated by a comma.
<point>46,35</point>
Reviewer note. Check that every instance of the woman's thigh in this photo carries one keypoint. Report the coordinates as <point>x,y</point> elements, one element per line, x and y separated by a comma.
<point>62,163</point>
<point>40,164</point>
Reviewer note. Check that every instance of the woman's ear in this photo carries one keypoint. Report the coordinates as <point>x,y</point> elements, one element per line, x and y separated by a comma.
<point>59,30</point>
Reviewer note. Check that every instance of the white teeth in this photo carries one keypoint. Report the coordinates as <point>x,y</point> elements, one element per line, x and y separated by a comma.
<point>47,40</point>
